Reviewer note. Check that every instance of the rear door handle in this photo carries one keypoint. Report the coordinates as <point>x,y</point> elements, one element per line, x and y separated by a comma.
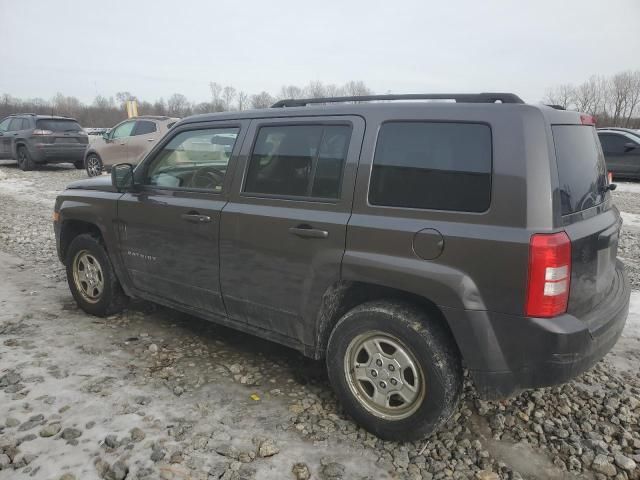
<point>306,231</point>
<point>150,139</point>
<point>195,218</point>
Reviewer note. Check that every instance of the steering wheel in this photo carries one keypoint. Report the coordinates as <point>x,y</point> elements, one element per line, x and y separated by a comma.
<point>207,178</point>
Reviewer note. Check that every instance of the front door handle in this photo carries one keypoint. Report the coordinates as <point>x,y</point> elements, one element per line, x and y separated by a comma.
<point>195,218</point>
<point>150,139</point>
<point>307,231</point>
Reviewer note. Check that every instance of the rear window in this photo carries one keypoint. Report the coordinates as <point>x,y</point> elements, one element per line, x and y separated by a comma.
<point>432,165</point>
<point>59,125</point>
<point>581,168</point>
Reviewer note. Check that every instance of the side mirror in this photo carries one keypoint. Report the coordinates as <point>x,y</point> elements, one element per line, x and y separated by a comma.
<point>105,136</point>
<point>122,176</point>
<point>630,146</point>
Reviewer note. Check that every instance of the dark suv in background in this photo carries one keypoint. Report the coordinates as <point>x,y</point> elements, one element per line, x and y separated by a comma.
<point>35,140</point>
<point>396,240</point>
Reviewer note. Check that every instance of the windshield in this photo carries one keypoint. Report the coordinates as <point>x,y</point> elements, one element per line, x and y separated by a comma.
<point>581,169</point>
<point>59,125</point>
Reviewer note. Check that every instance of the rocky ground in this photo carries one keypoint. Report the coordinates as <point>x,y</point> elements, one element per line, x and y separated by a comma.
<point>153,393</point>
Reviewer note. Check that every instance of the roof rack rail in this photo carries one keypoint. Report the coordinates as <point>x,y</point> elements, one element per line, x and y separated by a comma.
<point>458,97</point>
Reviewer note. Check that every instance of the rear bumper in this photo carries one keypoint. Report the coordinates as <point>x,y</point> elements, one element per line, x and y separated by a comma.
<point>52,153</point>
<point>508,353</point>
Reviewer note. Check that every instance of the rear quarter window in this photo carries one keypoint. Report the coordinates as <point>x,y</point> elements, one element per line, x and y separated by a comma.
<point>432,165</point>
<point>581,168</point>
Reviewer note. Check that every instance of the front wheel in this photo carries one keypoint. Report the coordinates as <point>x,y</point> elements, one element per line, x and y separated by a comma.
<point>93,165</point>
<point>395,369</point>
<point>91,278</point>
<point>25,162</point>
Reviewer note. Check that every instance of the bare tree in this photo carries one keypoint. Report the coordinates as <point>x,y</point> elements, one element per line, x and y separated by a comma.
<point>228,95</point>
<point>562,95</point>
<point>243,100</point>
<point>261,100</point>
<point>333,90</point>
<point>634,97</point>
<point>178,105</point>
<point>315,89</point>
<point>216,96</point>
<point>291,91</point>
<point>619,90</point>
<point>356,89</point>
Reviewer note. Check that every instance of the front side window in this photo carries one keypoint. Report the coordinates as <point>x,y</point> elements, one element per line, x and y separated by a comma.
<point>432,165</point>
<point>123,130</point>
<point>195,159</point>
<point>144,127</point>
<point>298,161</point>
<point>613,143</point>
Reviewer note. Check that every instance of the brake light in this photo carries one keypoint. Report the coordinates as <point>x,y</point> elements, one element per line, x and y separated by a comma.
<point>587,119</point>
<point>42,132</point>
<point>549,275</point>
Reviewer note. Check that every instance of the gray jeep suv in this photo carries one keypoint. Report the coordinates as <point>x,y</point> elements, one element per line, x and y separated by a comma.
<point>35,140</point>
<point>398,241</point>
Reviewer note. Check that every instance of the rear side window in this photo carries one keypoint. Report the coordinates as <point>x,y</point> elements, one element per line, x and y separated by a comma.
<point>299,161</point>
<point>144,127</point>
<point>58,125</point>
<point>581,168</point>
<point>432,165</point>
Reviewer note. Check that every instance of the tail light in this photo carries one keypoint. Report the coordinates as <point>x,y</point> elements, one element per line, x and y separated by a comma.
<point>587,119</point>
<point>549,275</point>
<point>42,132</point>
<point>609,177</point>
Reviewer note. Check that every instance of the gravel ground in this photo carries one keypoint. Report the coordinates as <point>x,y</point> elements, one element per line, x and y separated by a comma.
<point>153,393</point>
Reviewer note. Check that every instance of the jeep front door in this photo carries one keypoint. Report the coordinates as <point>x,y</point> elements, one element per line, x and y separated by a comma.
<point>169,224</point>
<point>283,231</point>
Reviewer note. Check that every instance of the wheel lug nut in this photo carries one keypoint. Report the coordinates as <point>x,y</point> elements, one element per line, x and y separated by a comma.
<point>379,362</point>
<point>394,381</point>
<point>374,373</point>
<point>391,368</point>
<point>383,385</point>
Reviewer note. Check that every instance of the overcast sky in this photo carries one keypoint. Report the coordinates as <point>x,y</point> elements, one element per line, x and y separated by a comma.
<point>157,48</point>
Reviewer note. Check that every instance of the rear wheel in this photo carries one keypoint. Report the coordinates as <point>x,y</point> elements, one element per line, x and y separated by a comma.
<point>91,278</point>
<point>395,369</point>
<point>93,165</point>
<point>25,163</point>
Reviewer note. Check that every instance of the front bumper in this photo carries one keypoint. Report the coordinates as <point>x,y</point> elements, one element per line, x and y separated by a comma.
<point>507,353</point>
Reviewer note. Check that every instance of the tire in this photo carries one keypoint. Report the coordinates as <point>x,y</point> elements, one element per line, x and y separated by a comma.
<point>25,163</point>
<point>98,291</point>
<point>93,164</point>
<point>79,164</point>
<point>430,381</point>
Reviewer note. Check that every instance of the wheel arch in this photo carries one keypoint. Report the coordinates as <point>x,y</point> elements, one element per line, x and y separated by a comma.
<point>343,296</point>
<point>71,228</point>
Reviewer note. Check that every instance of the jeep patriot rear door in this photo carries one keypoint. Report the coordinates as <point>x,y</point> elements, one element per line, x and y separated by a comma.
<point>283,231</point>
<point>169,225</point>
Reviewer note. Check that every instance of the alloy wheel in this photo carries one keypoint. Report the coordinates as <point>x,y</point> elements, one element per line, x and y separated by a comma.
<point>384,375</point>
